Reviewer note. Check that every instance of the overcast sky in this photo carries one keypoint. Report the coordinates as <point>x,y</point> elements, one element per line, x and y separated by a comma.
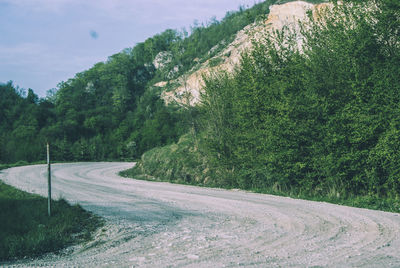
<point>44,42</point>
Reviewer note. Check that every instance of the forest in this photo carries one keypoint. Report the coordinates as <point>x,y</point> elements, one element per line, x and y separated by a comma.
<point>112,111</point>
<point>322,119</point>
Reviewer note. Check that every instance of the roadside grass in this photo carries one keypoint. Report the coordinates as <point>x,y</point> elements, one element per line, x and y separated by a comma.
<point>26,230</point>
<point>18,164</point>
<point>176,163</point>
<point>367,202</point>
<point>182,163</point>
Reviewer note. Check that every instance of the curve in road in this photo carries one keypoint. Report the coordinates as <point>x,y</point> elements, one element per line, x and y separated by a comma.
<point>151,224</point>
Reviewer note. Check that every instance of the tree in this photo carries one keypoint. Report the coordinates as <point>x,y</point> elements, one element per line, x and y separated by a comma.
<point>318,120</point>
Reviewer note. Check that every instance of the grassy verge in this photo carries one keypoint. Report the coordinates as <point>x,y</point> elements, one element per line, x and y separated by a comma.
<point>177,163</point>
<point>368,202</point>
<point>18,164</point>
<point>183,163</point>
<point>27,231</point>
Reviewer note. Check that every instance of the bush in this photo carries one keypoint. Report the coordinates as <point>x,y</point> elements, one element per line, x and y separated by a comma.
<point>321,120</point>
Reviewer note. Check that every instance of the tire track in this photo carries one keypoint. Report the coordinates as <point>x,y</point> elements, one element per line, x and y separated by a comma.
<point>151,224</point>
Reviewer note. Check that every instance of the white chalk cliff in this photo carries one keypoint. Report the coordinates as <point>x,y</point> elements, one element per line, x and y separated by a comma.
<point>191,84</point>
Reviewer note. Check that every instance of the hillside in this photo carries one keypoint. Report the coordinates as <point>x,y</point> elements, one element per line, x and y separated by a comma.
<point>256,101</point>
<point>280,16</point>
<point>112,111</point>
<point>310,111</point>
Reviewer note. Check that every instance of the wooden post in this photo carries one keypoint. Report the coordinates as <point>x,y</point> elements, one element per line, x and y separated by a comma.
<point>48,181</point>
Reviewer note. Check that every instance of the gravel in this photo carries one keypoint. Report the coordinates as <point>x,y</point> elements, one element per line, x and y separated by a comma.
<point>153,224</point>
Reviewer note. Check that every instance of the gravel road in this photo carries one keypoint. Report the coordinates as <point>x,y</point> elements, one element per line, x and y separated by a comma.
<point>151,224</point>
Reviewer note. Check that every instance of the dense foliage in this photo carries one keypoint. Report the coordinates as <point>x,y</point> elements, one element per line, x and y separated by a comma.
<point>20,122</point>
<point>111,111</point>
<point>103,113</point>
<point>323,119</point>
<point>320,120</point>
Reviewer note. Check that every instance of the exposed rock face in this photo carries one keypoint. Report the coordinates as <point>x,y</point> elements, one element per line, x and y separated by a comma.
<point>162,59</point>
<point>288,14</point>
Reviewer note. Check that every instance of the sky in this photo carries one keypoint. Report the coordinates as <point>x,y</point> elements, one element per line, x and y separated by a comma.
<point>44,42</point>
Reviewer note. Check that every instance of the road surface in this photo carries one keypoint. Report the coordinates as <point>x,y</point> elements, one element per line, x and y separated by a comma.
<point>151,224</point>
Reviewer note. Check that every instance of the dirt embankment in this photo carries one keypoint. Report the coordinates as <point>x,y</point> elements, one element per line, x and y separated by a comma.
<point>285,15</point>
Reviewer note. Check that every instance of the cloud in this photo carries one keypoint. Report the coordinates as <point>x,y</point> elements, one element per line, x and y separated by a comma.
<point>38,57</point>
<point>40,5</point>
<point>41,67</point>
<point>60,5</point>
<point>127,9</point>
<point>23,50</point>
<point>47,40</point>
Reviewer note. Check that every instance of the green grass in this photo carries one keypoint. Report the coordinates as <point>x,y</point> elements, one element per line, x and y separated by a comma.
<point>183,163</point>
<point>27,231</point>
<point>178,162</point>
<point>18,164</point>
<point>368,202</point>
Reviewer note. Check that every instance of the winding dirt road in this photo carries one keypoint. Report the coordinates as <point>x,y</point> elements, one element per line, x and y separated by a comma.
<point>153,224</point>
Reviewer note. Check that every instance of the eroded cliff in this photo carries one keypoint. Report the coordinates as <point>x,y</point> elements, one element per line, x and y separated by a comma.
<point>285,15</point>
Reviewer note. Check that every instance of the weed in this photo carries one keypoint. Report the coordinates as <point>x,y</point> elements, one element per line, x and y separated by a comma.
<point>27,231</point>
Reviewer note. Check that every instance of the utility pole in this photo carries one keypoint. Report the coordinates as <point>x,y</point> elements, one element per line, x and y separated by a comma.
<point>48,181</point>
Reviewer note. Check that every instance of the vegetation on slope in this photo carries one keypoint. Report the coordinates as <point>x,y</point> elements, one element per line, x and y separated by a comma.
<point>108,112</point>
<point>321,122</point>
<point>179,162</point>
<point>27,231</point>
<point>111,111</point>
